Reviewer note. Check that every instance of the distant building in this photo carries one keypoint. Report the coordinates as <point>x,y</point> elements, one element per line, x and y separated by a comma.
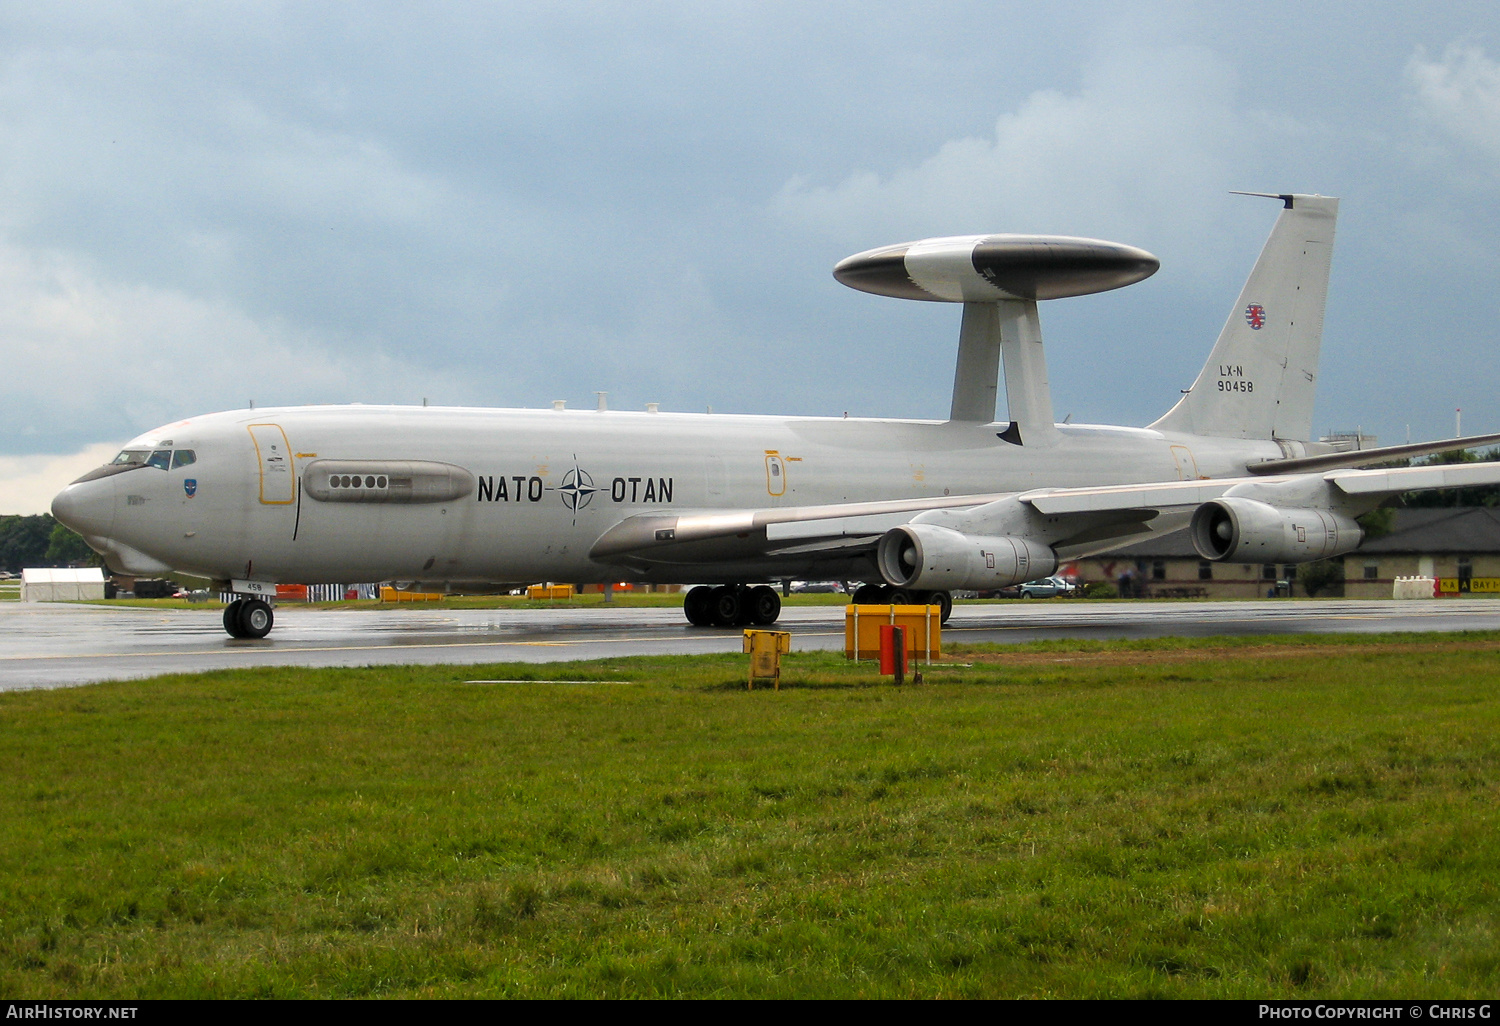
<point>1344,441</point>
<point>1169,567</point>
<point>1461,543</point>
<point>62,584</point>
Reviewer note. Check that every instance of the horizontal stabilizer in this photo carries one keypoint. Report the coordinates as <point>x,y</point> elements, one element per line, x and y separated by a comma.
<point>1368,457</point>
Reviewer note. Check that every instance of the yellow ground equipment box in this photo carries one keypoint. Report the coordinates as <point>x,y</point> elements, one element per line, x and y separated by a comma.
<point>766,649</point>
<point>924,630</point>
<point>388,594</point>
<point>549,592</point>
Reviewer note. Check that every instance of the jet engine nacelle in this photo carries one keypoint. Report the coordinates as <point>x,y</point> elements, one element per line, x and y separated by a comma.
<point>1243,530</point>
<point>927,557</point>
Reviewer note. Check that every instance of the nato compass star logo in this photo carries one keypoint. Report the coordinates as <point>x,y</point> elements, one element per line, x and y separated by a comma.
<point>577,489</point>
<point>1255,316</point>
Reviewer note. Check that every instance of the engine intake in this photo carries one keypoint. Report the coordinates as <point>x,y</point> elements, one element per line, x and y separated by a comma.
<point>938,558</point>
<point>1242,530</point>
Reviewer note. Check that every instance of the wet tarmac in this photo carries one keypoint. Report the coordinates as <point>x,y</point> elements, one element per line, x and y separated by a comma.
<point>57,645</point>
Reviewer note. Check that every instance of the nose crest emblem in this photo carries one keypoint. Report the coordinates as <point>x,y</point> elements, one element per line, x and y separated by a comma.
<point>190,485</point>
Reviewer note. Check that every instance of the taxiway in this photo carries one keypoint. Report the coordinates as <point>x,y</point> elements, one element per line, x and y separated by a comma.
<point>57,645</point>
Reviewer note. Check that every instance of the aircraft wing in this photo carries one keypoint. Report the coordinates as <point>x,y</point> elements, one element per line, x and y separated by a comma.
<point>1168,495</point>
<point>1082,518</point>
<point>640,535</point>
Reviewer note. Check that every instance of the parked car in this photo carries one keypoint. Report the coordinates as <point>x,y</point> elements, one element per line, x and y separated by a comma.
<point>1047,587</point>
<point>817,588</point>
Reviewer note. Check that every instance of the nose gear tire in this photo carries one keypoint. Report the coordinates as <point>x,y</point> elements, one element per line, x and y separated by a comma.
<point>248,618</point>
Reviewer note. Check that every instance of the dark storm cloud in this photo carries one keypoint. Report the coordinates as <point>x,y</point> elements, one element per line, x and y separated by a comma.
<point>505,204</point>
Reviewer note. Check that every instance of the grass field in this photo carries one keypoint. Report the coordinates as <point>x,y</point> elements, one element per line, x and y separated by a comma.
<point>1298,817</point>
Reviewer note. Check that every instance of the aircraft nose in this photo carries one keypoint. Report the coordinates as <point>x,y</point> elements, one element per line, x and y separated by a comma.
<point>87,507</point>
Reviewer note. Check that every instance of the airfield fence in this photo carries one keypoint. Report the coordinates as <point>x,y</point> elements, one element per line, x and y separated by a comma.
<point>322,593</point>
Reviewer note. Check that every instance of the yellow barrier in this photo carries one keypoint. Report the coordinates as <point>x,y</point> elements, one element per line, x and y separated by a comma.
<point>766,649</point>
<point>1477,585</point>
<point>395,595</point>
<point>549,591</point>
<point>924,630</point>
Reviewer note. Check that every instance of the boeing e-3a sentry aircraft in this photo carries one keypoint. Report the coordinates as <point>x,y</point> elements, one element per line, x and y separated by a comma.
<point>455,498</point>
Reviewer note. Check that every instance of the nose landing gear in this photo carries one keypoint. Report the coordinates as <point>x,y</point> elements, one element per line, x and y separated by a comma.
<point>248,618</point>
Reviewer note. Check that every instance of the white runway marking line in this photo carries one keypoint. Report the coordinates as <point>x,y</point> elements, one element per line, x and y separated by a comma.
<point>355,648</point>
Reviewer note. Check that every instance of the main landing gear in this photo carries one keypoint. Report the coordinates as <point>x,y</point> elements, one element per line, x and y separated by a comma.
<point>735,605</point>
<point>885,595</point>
<point>248,618</point>
<point>732,605</point>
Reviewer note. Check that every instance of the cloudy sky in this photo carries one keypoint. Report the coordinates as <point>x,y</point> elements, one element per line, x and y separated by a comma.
<point>204,204</point>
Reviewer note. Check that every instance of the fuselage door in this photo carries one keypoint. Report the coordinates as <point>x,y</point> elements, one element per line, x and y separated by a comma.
<point>775,475</point>
<point>1187,466</point>
<point>278,482</point>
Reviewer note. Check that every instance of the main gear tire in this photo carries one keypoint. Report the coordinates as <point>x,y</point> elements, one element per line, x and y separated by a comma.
<point>726,606</point>
<point>763,605</point>
<point>697,606</point>
<point>944,599</point>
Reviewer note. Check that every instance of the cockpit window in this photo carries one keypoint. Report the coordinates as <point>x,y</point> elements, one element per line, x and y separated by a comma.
<point>161,459</point>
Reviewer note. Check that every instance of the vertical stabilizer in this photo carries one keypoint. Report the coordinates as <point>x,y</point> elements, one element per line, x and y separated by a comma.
<point>1260,378</point>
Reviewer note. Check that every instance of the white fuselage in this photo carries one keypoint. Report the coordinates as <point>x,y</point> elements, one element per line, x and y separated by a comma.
<point>549,483</point>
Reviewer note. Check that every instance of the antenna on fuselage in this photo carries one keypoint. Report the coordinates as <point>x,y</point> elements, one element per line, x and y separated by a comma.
<point>999,279</point>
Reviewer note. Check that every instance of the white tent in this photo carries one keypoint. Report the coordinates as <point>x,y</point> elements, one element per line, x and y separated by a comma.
<point>62,584</point>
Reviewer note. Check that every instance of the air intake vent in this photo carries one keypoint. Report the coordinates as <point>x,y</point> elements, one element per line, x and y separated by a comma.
<point>402,481</point>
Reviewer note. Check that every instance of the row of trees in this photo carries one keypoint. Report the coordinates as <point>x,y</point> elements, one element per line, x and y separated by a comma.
<point>40,541</point>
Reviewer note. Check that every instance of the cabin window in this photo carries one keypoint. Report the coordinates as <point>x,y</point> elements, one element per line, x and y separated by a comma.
<point>183,458</point>
<point>129,456</point>
<point>161,459</point>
